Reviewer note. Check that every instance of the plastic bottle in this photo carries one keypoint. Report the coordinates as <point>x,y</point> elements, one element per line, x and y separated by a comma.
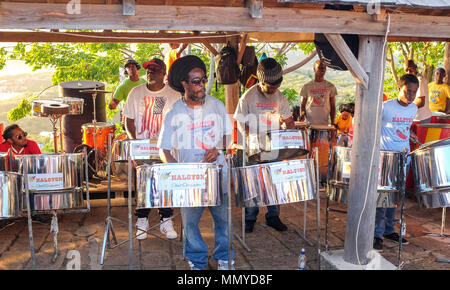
<point>301,260</point>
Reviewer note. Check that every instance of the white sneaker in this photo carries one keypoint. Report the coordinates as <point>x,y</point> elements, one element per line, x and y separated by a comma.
<point>166,228</point>
<point>223,265</point>
<point>141,228</point>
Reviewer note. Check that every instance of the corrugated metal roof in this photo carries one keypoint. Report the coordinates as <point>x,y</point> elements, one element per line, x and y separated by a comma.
<point>425,4</point>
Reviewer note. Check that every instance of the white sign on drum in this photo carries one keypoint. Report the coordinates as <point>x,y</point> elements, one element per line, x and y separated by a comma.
<point>46,181</point>
<point>179,179</point>
<point>287,139</point>
<point>285,173</point>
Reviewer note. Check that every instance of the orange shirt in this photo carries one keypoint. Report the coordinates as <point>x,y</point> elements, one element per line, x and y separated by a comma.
<point>343,125</point>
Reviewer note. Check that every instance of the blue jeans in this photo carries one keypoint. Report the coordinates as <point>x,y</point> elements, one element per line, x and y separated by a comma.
<point>252,212</point>
<point>384,217</point>
<point>195,249</point>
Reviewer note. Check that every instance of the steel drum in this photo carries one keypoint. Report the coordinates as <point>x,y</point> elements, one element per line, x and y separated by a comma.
<point>10,195</point>
<point>38,109</point>
<point>103,130</point>
<point>431,170</point>
<point>75,104</point>
<point>54,180</point>
<point>169,185</point>
<point>274,183</point>
<point>138,149</point>
<point>320,137</point>
<point>389,177</point>
<point>279,145</point>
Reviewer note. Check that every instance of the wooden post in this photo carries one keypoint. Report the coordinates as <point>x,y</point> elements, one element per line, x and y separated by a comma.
<point>364,175</point>
<point>447,62</point>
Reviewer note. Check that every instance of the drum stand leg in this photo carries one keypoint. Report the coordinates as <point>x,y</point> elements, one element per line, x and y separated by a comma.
<point>30,226</point>
<point>402,230</point>
<point>441,235</point>
<point>303,235</point>
<point>242,240</point>
<point>54,229</point>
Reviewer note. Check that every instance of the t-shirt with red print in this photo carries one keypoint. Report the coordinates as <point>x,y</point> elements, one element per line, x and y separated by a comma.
<point>396,124</point>
<point>318,106</point>
<point>261,113</point>
<point>148,108</point>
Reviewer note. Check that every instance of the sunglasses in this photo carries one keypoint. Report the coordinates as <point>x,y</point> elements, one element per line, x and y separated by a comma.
<point>198,81</point>
<point>19,137</point>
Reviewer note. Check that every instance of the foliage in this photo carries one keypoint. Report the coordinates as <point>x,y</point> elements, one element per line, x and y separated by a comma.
<point>291,95</point>
<point>3,55</point>
<point>22,110</point>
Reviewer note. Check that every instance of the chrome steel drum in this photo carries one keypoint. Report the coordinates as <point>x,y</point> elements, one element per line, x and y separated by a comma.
<point>178,185</point>
<point>75,104</point>
<point>431,166</point>
<point>139,149</point>
<point>51,172</point>
<point>389,177</point>
<point>274,183</point>
<point>279,145</point>
<point>60,199</point>
<point>431,170</point>
<point>37,107</point>
<point>10,195</point>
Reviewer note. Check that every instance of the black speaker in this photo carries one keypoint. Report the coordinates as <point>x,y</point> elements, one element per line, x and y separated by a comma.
<point>328,55</point>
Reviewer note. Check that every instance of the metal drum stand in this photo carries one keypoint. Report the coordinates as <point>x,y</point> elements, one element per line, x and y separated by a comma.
<point>94,93</point>
<point>109,229</point>
<point>54,223</point>
<point>402,185</point>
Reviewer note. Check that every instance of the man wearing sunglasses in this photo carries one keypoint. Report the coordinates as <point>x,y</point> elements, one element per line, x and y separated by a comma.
<point>197,129</point>
<point>263,107</point>
<point>144,111</point>
<point>16,141</point>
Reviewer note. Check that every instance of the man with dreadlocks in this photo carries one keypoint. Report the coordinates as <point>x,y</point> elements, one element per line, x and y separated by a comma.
<point>144,111</point>
<point>195,129</point>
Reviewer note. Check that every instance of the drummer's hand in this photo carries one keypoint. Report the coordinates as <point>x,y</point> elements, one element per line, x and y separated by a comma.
<point>210,155</point>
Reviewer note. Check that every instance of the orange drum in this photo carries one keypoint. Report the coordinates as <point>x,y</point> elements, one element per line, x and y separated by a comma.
<point>103,130</point>
<point>321,137</point>
<point>1,132</point>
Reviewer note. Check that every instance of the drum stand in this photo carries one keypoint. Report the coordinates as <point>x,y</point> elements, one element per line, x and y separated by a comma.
<point>109,229</point>
<point>54,119</point>
<point>401,221</point>
<point>54,223</point>
<point>244,155</point>
<point>441,235</point>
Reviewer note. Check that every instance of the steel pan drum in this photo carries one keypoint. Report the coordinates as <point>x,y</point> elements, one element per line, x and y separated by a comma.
<point>389,177</point>
<point>38,109</point>
<point>320,137</point>
<point>274,183</point>
<point>279,145</point>
<point>75,104</point>
<point>10,195</point>
<point>170,185</point>
<point>51,172</point>
<point>431,170</point>
<point>142,149</point>
<point>60,199</point>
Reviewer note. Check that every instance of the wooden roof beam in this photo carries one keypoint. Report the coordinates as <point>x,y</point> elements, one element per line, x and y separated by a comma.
<point>93,16</point>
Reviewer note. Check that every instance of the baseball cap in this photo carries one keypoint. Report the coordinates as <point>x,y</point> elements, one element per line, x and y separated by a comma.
<point>154,62</point>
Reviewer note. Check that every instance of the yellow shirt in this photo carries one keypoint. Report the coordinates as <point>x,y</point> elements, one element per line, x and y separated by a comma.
<point>343,125</point>
<point>172,57</point>
<point>438,95</point>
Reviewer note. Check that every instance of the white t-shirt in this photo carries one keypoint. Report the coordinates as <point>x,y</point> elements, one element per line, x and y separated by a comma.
<point>319,96</point>
<point>147,108</point>
<point>188,132</point>
<point>396,124</point>
<point>261,113</point>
